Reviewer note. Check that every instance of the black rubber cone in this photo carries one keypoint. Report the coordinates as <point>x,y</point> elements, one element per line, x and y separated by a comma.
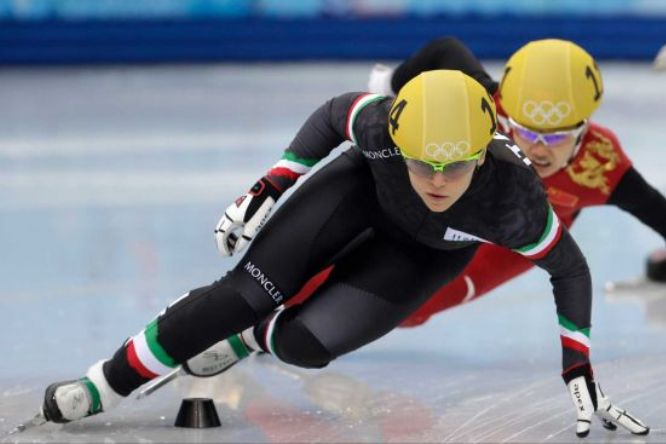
<point>197,413</point>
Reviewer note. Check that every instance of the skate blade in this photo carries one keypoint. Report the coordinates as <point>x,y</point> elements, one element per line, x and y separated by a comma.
<point>38,420</point>
<point>157,384</point>
<point>634,287</point>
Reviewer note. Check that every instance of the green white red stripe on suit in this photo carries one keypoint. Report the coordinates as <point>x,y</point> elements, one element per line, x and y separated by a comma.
<point>146,355</point>
<point>291,167</point>
<point>547,241</point>
<point>361,102</point>
<point>573,337</point>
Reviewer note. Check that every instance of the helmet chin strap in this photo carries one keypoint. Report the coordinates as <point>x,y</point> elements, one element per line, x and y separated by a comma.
<point>579,143</point>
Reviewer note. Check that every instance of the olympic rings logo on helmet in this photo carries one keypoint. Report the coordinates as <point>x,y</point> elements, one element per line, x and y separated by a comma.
<point>545,112</point>
<point>447,151</point>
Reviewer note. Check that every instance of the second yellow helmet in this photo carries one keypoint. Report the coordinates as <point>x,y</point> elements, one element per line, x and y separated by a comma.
<point>550,84</point>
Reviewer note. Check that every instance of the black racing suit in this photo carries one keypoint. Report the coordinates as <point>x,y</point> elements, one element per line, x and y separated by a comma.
<point>391,252</point>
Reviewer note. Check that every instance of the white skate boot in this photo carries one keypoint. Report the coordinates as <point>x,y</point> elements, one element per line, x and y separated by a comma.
<point>72,400</point>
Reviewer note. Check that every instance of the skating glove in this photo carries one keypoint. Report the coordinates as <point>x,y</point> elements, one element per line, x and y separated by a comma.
<point>588,398</point>
<point>245,217</point>
<point>656,266</point>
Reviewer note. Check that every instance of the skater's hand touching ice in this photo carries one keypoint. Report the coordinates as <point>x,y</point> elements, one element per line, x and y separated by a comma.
<point>589,399</point>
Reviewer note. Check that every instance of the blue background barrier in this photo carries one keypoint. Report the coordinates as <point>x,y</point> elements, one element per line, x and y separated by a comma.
<point>119,31</point>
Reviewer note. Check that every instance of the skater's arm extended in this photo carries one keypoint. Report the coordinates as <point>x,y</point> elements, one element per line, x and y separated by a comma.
<point>636,196</point>
<point>570,277</point>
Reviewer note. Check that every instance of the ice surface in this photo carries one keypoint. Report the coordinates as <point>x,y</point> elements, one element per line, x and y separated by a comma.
<point>111,181</point>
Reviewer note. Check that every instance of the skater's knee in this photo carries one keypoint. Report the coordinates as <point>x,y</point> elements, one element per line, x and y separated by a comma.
<point>295,344</point>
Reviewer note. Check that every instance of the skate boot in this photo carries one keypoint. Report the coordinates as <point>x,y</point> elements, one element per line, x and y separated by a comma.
<point>380,80</point>
<point>216,359</point>
<point>72,400</point>
<point>222,355</point>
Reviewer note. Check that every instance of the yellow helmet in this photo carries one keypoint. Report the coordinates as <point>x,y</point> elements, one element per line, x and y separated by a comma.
<point>550,84</point>
<point>442,116</point>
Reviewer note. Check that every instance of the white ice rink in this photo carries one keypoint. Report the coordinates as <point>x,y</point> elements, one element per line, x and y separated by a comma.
<point>111,182</point>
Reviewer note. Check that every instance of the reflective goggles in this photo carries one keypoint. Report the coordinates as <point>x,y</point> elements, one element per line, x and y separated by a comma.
<point>451,170</point>
<point>549,138</point>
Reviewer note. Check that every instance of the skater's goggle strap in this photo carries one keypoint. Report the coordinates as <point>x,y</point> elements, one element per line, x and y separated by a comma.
<point>549,138</point>
<point>451,170</point>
